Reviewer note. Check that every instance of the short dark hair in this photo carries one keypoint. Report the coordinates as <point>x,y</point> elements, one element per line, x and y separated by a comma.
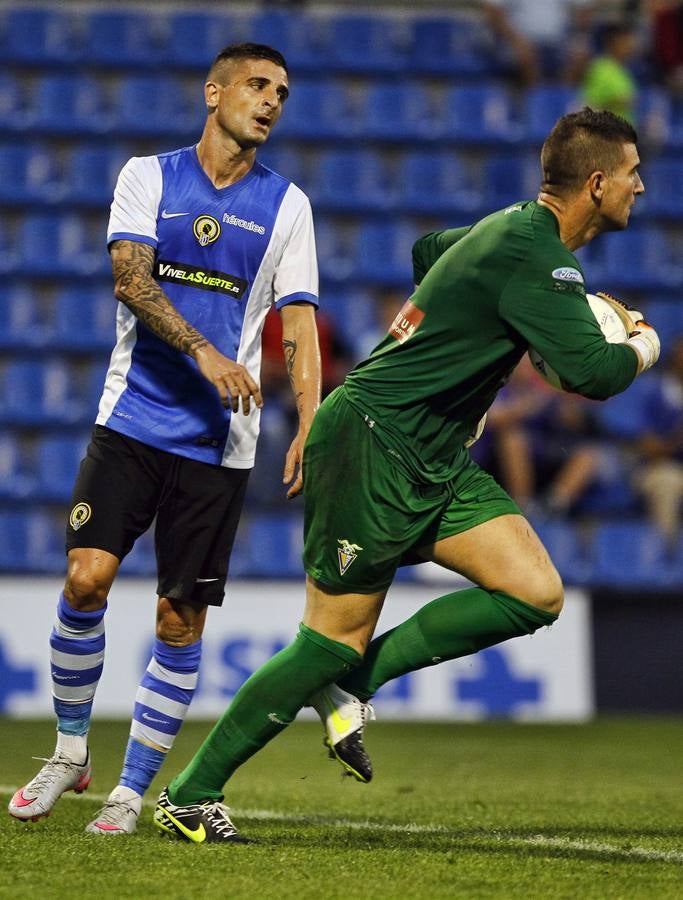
<point>248,51</point>
<point>579,144</point>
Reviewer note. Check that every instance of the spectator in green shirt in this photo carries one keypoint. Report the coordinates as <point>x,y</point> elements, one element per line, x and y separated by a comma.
<point>608,83</point>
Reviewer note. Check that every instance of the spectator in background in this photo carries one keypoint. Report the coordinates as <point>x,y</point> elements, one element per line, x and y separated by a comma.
<point>608,83</point>
<point>666,24</point>
<point>659,479</point>
<point>541,444</point>
<point>546,38</point>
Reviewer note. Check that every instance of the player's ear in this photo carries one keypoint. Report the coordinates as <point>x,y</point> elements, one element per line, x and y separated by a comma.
<point>211,92</point>
<point>596,184</point>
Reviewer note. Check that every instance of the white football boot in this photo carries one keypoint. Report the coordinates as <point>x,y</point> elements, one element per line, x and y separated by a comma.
<point>344,717</point>
<point>59,774</point>
<point>119,815</point>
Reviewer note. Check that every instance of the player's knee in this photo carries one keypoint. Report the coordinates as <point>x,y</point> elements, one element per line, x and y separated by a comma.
<point>85,589</point>
<point>545,591</point>
<point>177,624</point>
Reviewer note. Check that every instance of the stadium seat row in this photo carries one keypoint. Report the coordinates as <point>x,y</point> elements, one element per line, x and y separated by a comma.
<point>629,554</point>
<point>363,181</point>
<point>49,393</point>
<point>320,109</point>
<point>120,39</point>
<point>372,251</point>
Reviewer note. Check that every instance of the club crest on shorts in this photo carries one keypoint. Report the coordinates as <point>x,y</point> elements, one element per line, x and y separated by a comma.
<point>346,553</point>
<point>80,514</point>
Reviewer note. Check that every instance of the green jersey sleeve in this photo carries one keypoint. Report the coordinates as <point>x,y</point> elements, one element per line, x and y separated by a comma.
<point>428,248</point>
<point>553,315</point>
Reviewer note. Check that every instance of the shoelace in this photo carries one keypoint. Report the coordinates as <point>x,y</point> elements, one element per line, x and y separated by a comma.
<point>367,713</point>
<point>50,772</point>
<point>217,815</point>
<point>111,808</point>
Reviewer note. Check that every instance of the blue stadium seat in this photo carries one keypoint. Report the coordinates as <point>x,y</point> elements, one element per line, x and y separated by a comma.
<point>448,46</point>
<point>68,104</point>
<point>29,175</point>
<point>636,259</point>
<point>17,481</point>
<point>436,182</point>
<point>91,173</point>
<point>83,318</point>
<point>352,181</point>
<point>630,555</point>
<point>31,541</point>
<point>621,417</point>
<point>509,178</point>
<point>543,107</point>
<point>149,106</point>
<point>13,103</point>
<point>194,38</point>
<point>120,38</point>
<point>400,112</point>
<point>663,195</point>
<point>14,550</point>
<point>21,324</point>
<point>317,110</point>
<point>57,460</point>
<point>659,117</point>
<point>55,245</point>
<point>36,392</point>
<point>667,318</point>
<point>383,252</point>
<point>366,43</point>
<point>35,34</point>
<point>480,114</point>
<point>303,40</point>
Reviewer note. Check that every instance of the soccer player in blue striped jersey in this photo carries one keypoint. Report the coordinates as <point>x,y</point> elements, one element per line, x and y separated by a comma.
<point>204,241</point>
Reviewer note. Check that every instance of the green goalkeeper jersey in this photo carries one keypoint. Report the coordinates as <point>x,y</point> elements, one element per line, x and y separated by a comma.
<point>485,295</point>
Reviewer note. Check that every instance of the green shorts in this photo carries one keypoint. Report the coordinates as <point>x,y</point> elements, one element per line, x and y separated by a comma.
<point>363,515</point>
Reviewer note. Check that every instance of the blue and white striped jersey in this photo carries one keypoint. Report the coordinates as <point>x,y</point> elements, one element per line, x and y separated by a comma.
<point>223,257</point>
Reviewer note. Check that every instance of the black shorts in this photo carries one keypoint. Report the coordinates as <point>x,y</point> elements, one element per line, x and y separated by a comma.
<point>123,484</point>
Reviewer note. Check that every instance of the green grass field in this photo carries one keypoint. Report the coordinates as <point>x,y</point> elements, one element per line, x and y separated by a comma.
<point>491,810</point>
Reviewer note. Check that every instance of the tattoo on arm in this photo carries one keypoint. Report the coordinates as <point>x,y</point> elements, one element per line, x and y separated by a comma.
<point>132,265</point>
<point>290,348</point>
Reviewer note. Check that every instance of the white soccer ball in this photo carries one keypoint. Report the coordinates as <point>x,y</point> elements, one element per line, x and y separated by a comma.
<point>610,325</point>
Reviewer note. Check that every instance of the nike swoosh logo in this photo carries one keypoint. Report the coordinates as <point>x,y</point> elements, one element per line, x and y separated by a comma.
<point>204,580</point>
<point>20,800</point>
<point>152,719</point>
<point>168,215</point>
<point>339,723</point>
<point>197,835</point>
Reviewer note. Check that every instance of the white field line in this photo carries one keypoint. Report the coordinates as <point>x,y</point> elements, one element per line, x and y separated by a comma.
<point>629,853</point>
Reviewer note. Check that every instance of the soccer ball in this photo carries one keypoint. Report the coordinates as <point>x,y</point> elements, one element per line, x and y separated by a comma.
<point>610,325</point>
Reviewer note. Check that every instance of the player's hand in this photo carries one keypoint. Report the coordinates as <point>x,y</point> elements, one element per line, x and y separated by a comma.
<point>628,315</point>
<point>230,379</point>
<point>293,465</point>
<point>645,341</point>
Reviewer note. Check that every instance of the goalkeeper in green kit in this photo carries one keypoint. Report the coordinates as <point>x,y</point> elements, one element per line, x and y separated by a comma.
<point>389,480</point>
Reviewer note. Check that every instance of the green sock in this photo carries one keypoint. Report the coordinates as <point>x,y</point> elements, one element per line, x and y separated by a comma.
<point>447,628</point>
<point>264,705</point>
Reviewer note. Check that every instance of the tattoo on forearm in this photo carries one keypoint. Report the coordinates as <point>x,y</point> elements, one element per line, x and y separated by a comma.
<point>132,265</point>
<point>289,348</point>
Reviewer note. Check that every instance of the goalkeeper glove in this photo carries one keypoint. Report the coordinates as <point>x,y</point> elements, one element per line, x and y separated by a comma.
<point>641,336</point>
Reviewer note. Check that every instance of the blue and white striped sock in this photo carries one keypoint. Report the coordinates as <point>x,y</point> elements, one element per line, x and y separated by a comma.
<point>76,658</point>
<point>161,703</point>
